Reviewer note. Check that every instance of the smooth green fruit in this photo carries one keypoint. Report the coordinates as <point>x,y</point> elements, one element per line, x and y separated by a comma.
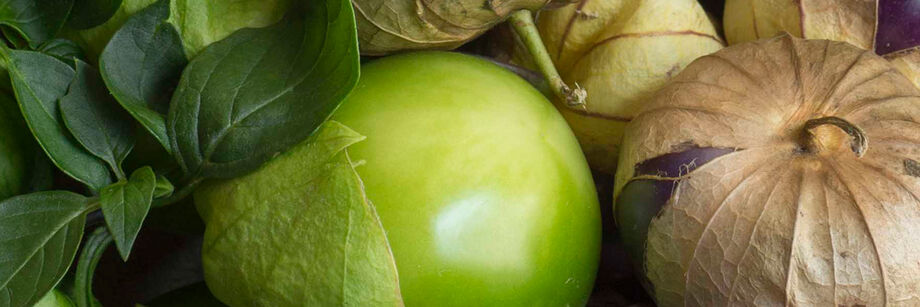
<point>481,188</point>
<point>15,148</point>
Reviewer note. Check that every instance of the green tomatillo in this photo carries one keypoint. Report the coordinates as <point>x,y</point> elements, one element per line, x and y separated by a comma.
<point>480,187</point>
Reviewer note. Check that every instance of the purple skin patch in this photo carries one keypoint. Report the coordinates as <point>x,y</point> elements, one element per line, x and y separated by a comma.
<point>641,200</point>
<point>678,163</point>
<point>898,26</point>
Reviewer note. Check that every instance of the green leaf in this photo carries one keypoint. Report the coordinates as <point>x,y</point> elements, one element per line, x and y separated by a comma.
<point>141,66</point>
<point>164,187</point>
<point>39,235</point>
<point>96,244</point>
<point>125,205</point>
<point>93,40</point>
<point>90,13</point>
<point>33,21</point>
<point>320,227</point>
<point>65,50</point>
<point>16,148</point>
<point>254,94</point>
<point>205,22</point>
<point>39,81</point>
<point>94,119</point>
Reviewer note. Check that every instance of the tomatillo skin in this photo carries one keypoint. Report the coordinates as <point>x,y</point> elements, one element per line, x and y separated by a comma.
<point>481,187</point>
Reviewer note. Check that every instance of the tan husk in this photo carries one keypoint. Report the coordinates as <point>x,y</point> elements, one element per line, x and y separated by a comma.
<point>386,26</point>
<point>793,217</point>
<point>851,21</point>
<point>908,63</point>
<point>621,52</point>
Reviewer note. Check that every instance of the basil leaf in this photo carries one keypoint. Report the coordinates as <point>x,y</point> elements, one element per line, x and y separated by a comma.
<point>202,23</point>
<point>39,81</point>
<point>141,65</point>
<point>91,115</point>
<point>65,50</point>
<point>96,244</point>
<point>90,13</point>
<point>163,188</point>
<point>252,95</point>
<point>319,217</point>
<point>125,205</point>
<point>33,21</point>
<point>40,234</point>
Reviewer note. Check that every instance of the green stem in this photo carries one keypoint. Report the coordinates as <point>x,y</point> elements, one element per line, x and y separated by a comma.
<point>179,194</point>
<point>522,22</point>
<point>93,204</point>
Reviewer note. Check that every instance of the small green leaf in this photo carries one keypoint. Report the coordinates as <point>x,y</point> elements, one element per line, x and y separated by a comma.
<point>320,227</point>
<point>33,21</point>
<point>141,65</point>
<point>90,13</point>
<point>65,50</point>
<point>96,244</point>
<point>39,81</point>
<point>94,119</point>
<point>125,205</point>
<point>257,92</point>
<point>164,187</point>
<point>40,233</point>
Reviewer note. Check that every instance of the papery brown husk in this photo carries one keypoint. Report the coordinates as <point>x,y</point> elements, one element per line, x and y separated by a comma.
<point>386,26</point>
<point>790,218</point>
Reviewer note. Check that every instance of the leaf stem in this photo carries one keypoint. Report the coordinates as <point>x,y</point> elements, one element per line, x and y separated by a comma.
<point>523,24</point>
<point>180,194</point>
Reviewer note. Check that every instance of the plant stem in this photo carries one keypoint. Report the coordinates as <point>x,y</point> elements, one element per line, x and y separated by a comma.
<point>522,22</point>
<point>859,144</point>
<point>180,194</point>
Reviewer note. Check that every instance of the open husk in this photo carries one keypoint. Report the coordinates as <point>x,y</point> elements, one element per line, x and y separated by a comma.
<point>621,52</point>
<point>790,175</point>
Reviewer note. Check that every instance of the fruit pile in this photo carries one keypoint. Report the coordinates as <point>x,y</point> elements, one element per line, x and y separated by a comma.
<point>459,153</point>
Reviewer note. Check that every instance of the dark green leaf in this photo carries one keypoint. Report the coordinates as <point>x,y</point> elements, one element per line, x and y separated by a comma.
<point>41,172</point>
<point>65,50</point>
<point>39,81</point>
<point>142,64</point>
<point>95,120</point>
<point>125,205</point>
<point>252,95</point>
<point>96,244</point>
<point>164,187</point>
<point>33,21</point>
<point>90,13</point>
<point>39,235</point>
<point>16,148</point>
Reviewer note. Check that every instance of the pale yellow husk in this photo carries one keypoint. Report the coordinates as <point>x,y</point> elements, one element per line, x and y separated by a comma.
<point>908,63</point>
<point>386,26</point>
<point>621,52</point>
<point>781,222</point>
<point>851,21</point>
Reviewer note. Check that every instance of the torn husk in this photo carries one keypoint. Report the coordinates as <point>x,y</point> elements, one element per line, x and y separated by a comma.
<point>785,221</point>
